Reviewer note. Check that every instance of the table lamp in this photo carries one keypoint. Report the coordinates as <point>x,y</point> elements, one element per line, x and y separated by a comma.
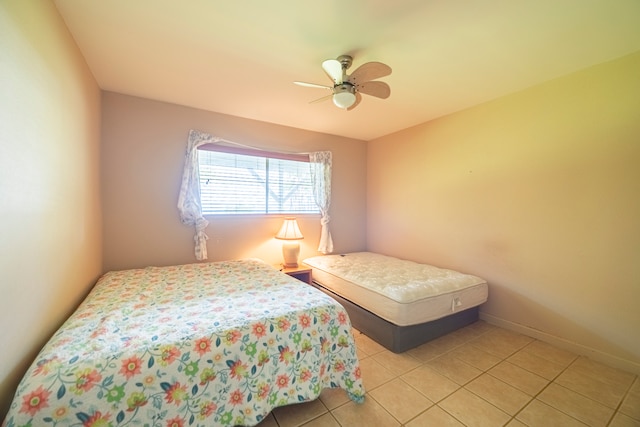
<point>290,233</point>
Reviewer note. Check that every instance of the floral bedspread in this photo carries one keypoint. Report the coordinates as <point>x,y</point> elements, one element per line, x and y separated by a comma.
<point>199,344</point>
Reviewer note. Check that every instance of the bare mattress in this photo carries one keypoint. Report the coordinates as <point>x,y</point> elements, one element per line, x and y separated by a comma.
<point>403,293</point>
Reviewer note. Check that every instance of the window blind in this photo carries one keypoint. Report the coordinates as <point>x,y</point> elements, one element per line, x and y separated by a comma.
<point>232,182</point>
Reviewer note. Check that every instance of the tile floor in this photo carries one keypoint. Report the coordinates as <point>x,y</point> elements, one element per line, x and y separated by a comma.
<point>481,375</point>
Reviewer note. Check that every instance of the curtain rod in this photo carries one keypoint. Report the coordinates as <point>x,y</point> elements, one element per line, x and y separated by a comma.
<point>216,139</point>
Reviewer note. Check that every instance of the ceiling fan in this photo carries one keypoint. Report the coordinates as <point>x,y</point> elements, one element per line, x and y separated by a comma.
<point>346,88</point>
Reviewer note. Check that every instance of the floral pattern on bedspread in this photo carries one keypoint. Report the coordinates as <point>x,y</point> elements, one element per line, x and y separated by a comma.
<point>198,344</point>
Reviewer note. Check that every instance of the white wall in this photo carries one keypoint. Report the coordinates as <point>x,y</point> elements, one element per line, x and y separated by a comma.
<point>143,150</point>
<point>50,218</point>
<point>539,193</point>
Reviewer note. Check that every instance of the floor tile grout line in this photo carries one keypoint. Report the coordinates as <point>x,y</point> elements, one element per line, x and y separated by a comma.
<point>618,405</point>
<point>559,385</point>
<point>616,410</point>
<point>549,383</point>
<point>387,411</point>
<point>502,359</point>
<point>511,417</point>
<point>469,340</point>
<point>422,363</point>
<point>624,397</point>
<point>463,386</point>
<point>483,371</point>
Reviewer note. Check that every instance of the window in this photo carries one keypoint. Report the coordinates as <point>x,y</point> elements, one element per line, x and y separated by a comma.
<point>244,181</point>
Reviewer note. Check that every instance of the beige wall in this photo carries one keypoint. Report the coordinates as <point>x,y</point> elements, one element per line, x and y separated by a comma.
<point>142,160</point>
<point>50,220</point>
<point>539,193</point>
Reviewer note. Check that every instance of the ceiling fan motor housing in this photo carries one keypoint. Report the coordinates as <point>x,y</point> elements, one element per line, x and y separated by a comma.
<point>344,95</point>
<point>344,87</point>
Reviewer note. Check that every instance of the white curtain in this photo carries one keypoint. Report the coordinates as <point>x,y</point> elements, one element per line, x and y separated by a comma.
<point>189,198</point>
<point>320,162</point>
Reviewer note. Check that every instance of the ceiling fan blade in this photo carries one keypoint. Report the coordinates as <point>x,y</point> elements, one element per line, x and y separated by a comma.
<point>312,85</point>
<point>324,98</point>
<point>355,104</point>
<point>377,89</point>
<point>369,71</point>
<point>333,68</point>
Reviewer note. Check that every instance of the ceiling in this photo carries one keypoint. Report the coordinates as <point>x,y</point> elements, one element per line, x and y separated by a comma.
<point>241,57</point>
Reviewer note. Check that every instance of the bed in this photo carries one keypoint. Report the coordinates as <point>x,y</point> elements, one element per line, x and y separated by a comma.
<point>200,344</point>
<point>399,303</point>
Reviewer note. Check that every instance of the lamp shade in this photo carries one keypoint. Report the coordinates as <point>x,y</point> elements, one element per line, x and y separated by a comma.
<point>344,99</point>
<point>289,230</point>
<point>290,248</point>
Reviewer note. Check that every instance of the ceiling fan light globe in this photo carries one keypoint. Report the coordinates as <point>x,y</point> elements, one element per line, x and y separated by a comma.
<point>344,99</point>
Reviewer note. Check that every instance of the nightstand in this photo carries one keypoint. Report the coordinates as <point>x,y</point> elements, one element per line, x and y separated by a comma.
<point>302,272</point>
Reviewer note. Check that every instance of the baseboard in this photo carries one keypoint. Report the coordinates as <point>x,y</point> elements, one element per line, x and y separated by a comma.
<point>597,355</point>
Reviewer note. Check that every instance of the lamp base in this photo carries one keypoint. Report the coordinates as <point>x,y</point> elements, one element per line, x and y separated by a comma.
<point>290,252</point>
